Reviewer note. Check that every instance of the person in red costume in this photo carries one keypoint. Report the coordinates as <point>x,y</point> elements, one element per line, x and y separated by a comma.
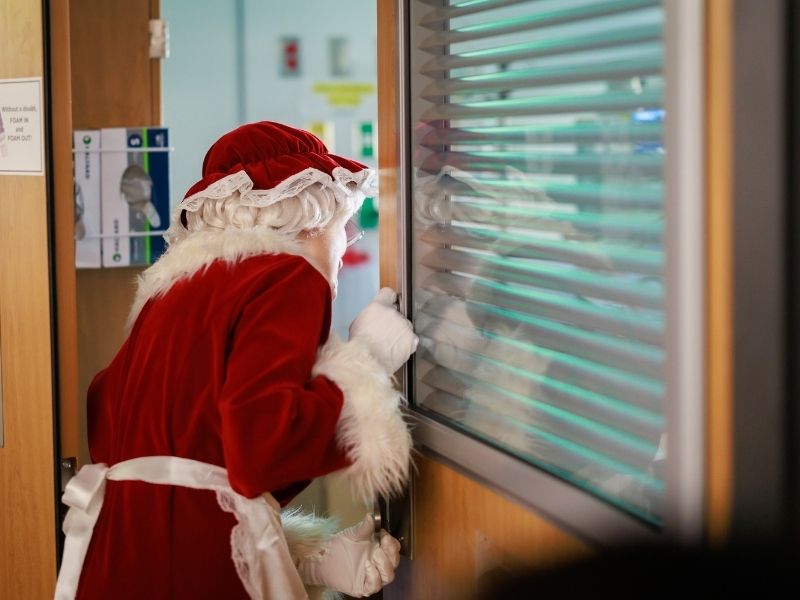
<point>228,397</point>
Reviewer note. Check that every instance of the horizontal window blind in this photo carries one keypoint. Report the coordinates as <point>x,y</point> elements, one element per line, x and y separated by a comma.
<point>537,242</point>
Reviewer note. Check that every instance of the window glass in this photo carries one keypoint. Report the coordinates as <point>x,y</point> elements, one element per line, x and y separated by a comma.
<point>537,236</point>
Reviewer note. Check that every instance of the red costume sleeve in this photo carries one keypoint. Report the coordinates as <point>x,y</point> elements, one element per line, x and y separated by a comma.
<point>279,422</point>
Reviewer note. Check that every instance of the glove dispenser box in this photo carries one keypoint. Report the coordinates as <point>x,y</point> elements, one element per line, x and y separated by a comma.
<point>121,192</point>
<point>135,194</point>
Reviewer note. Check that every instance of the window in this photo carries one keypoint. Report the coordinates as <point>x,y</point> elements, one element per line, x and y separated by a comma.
<point>544,272</point>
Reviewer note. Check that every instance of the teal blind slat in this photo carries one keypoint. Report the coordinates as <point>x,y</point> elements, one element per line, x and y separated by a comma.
<point>603,257</point>
<point>545,105</point>
<point>642,227</point>
<point>636,194</point>
<point>539,49</point>
<point>504,81</point>
<point>590,163</point>
<point>434,18</point>
<point>519,395</point>
<point>545,445</point>
<point>496,339</point>
<point>586,133</point>
<point>498,308</point>
<point>578,282</point>
<point>555,16</point>
<point>541,371</point>
<point>601,319</point>
<point>538,236</point>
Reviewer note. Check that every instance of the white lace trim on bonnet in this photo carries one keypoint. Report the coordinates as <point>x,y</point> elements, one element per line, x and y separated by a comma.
<point>344,183</point>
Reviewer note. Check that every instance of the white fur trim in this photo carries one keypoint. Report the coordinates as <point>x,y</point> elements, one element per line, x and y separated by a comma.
<point>197,251</point>
<point>371,428</point>
<point>307,535</point>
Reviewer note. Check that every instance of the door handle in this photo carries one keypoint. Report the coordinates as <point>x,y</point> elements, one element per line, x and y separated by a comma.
<point>396,517</point>
<point>377,516</point>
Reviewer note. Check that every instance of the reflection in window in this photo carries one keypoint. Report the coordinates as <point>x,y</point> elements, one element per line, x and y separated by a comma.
<point>538,258</point>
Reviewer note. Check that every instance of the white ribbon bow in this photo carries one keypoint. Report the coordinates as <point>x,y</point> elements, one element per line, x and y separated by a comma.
<point>84,495</point>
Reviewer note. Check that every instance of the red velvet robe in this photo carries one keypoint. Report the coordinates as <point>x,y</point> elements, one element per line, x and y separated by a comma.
<point>218,369</point>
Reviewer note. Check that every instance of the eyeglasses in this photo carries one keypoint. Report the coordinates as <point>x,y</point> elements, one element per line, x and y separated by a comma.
<point>353,232</point>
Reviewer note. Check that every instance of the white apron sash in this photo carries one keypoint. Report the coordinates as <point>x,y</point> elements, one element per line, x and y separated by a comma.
<point>258,547</point>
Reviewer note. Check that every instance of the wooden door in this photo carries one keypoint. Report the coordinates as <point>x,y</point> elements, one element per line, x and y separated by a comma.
<point>27,463</point>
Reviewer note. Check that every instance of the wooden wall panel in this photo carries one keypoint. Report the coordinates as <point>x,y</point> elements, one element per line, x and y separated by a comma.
<point>719,309</point>
<point>64,223</point>
<point>388,141</point>
<point>464,531</point>
<point>27,508</point>
<point>156,101</point>
<point>114,84</point>
<point>111,68</point>
<point>104,300</point>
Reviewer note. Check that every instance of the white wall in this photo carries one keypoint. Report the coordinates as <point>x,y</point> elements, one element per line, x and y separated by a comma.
<point>270,96</point>
<point>221,47</point>
<point>198,83</point>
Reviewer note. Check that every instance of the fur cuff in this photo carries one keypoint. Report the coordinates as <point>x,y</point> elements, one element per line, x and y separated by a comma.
<point>306,535</point>
<point>371,428</point>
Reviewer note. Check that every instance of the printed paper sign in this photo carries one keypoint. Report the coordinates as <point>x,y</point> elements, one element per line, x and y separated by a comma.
<point>21,130</point>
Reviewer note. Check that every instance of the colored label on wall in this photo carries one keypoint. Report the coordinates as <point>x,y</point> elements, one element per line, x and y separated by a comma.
<point>344,94</point>
<point>325,131</point>
<point>290,56</point>
<point>367,139</point>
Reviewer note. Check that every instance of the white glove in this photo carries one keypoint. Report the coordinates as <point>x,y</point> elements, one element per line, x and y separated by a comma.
<point>388,334</point>
<point>352,563</point>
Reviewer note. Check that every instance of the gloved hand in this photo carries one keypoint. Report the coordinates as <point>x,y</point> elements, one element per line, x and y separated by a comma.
<point>388,334</point>
<point>352,563</point>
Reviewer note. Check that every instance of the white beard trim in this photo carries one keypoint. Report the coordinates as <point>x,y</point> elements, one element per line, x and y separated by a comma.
<point>371,429</point>
<point>307,535</point>
<point>197,251</point>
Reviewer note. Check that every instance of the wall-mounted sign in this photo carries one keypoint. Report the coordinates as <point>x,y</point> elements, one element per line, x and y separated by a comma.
<point>344,94</point>
<point>290,56</point>
<point>366,139</point>
<point>339,56</point>
<point>21,129</point>
<point>1,401</point>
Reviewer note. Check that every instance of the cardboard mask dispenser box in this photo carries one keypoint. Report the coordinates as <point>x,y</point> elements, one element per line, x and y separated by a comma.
<point>135,194</point>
